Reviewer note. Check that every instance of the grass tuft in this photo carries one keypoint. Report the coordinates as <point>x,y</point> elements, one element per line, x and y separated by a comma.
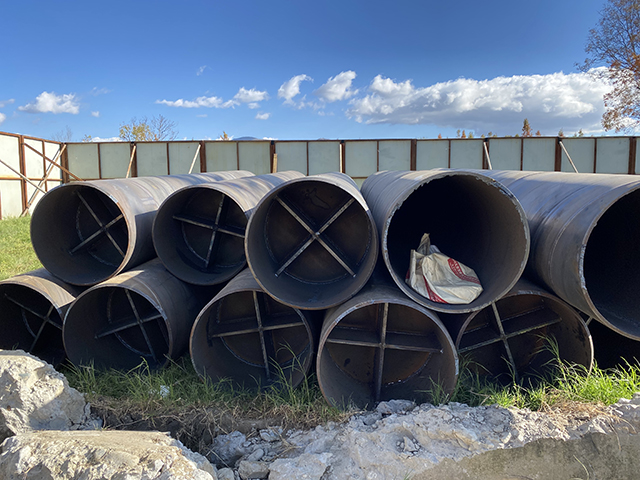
<point>16,255</point>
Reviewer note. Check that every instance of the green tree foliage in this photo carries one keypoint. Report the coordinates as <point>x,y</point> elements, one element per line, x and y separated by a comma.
<point>144,130</point>
<point>614,44</point>
<point>526,129</point>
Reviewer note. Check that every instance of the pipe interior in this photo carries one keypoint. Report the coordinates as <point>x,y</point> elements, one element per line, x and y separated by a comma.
<point>351,356</point>
<point>115,327</point>
<point>301,271</point>
<point>77,235</point>
<point>470,221</point>
<point>532,324</point>
<point>191,236</point>
<point>612,264</point>
<point>611,349</point>
<point>24,325</point>
<point>240,354</point>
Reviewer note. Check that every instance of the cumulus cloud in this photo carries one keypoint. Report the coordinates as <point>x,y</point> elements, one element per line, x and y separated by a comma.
<point>337,88</point>
<point>205,102</point>
<point>289,89</point>
<point>4,103</point>
<point>262,116</point>
<point>553,101</point>
<point>250,96</point>
<point>253,105</point>
<point>3,117</point>
<point>95,114</point>
<point>51,103</point>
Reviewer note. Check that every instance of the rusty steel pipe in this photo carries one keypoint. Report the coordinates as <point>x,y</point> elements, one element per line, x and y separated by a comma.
<point>311,242</point>
<point>510,340</point>
<point>87,232</point>
<point>380,345</point>
<point>585,231</point>
<point>470,217</point>
<point>32,308</point>
<point>142,314</point>
<point>248,337</point>
<point>199,230</point>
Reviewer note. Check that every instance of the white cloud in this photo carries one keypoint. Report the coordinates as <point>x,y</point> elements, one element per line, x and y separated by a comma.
<point>549,102</point>
<point>250,96</point>
<point>108,139</point>
<point>201,70</point>
<point>4,103</point>
<point>3,117</point>
<point>289,89</point>
<point>50,102</point>
<point>204,115</point>
<point>95,91</point>
<point>253,105</point>
<point>338,87</point>
<point>262,116</point>
<point>95,114</point>
<point>206,102</point>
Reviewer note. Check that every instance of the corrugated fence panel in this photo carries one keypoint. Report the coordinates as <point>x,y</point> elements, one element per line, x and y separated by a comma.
<point>505,153</point>
<point>33,161</point>
<point>466,153</point>
<point>360,158</point>
<point>539,154</point>
<point>432,154</point>
<point>221,156</point>
<point>324,157</point>
<point>612,155</point>
<point>114,159</point>
<point>292,156</point>
<point>581,151</point>
<point>181,157</point>
<point>10,190</point>
<point>152,159</point>
<point>395,154</point>
<point>255,157</point>
<point>83,160</point>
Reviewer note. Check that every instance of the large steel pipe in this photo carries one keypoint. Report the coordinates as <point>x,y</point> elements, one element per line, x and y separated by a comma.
<point>585,232</point>
<point>380,345</point>
<point>32,308</point>
<point>142,314</point>
<point>87,232</point>
<point>612,350</point>
<point>471,218</point>
<point>516,337</point>
<point>245,335</point>
<point>311,242</point>
<point>199,230</point>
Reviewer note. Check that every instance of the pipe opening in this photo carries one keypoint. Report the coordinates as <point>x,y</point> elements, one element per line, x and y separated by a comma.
<point>199,235</point>
<point>116,328</point>
<point>612,265</point>
<point>469,219</point>
<point>383,351</point>
<point>253,340</point>
<point>80,234</point>
<point>30,322</point>
<point>311,240</point>
<point>523,340</point>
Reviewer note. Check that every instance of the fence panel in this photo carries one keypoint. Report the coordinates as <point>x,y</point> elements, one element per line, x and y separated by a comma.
<point>221,156</point>
<point>466,153</point>
<point>432,154</point>
<point>539,154</point>
<point>394,155</point>
<point>360,159</point>
<point>292,156</point>
<point>255,157</point>
<point>181,156</point>
<point>83,160</point>
<point>114,159</point>
<point>152,159</point>
<point>582,152</point>
<point>324,157</point>
<point>505,153</point>
<point>612,155</point>
<point>10,190</point>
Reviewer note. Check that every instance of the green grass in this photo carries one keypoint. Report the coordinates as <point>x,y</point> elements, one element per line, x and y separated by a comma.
<point>16,253</point>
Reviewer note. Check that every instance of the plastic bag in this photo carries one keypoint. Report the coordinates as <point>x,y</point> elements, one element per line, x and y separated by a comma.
<point>439,278</point>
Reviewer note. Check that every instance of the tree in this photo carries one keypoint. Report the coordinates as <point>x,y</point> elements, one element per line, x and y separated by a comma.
<point>614,44</point>
<point>440,136</point>
<point>87,138</point>
<point>145,130</point>
<point>561,133</point>
<point>224,136</point>
<point>526,129</point>
<point>538,134</point>
<point>463,135</point>
<point>63,136</point>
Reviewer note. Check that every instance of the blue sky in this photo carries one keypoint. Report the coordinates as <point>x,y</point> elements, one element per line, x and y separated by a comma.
<point>298,69</point>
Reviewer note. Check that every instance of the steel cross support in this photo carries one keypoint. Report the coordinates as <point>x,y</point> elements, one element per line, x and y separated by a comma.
<point>45,320</point>
<point>103,229</point>
<point>315,234</point>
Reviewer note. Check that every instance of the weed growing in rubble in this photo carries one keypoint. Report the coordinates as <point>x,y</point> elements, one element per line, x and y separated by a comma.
<point>16,255</point>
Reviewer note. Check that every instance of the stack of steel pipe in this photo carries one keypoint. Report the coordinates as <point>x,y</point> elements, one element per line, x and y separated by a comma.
<point>87,232</point>
<point>32,310</point>
<point>199,230</point>
<point>311,243</point>
<point>145,313</point>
